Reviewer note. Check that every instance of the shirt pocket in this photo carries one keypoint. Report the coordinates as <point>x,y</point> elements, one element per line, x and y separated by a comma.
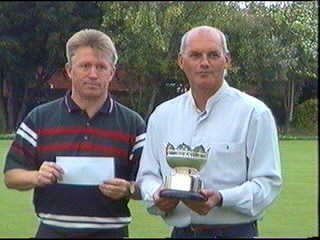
<point>227,148</point>
<point>228,162</point>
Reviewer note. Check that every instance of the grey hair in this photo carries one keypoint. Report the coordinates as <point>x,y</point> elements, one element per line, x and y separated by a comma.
<point>94,39</point>
<point>204,28</point>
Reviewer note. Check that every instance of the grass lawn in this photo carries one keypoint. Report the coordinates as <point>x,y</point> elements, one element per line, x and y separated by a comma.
<point>294,213</point>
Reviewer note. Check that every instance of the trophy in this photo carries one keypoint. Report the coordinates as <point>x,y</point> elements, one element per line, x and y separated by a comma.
<point>186,182</point>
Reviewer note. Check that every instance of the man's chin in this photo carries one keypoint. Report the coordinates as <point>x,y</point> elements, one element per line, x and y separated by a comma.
<point>92,95</point>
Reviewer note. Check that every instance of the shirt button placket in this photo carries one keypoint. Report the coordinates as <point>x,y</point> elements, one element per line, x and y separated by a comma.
<point>86,137</point>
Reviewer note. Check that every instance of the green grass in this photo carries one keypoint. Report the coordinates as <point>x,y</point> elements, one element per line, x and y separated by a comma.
<point>293,214</point>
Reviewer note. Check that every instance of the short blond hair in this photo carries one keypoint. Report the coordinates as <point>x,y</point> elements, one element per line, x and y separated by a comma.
<point>94,39</point>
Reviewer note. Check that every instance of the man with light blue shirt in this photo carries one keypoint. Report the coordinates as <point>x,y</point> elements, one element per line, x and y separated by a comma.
<point>242,175</point>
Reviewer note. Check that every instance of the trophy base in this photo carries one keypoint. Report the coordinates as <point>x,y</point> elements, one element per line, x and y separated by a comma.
<point>167,193</point>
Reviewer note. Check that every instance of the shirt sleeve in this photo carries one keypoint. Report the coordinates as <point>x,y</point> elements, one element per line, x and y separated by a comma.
<point>22,152</point>
<point>138,145</point>
<point>263,170</point>
<point>149,177</point>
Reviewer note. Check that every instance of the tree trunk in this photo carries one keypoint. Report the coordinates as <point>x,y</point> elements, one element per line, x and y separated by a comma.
<point>12,109</point>
<point>286,122</point>
<point>3,116</point>
<point>291,103</point>
<point>3,110</point>
<point>15,89</point>
<point>24,107</point>
<point>151,102</point>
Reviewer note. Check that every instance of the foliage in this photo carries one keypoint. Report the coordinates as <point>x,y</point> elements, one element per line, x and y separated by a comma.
<point>147,35</point>
<point>273,48</point>
<point>32,42</point>
<point>7,136</point>
<point>306,115</point>
<point>293,47</point>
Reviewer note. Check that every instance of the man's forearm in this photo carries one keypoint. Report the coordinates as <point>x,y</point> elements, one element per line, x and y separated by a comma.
<point>21,179</point>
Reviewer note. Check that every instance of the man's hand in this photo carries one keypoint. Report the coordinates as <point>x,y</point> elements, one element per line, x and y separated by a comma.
<point>164,204</point>
<point>48,173</point>
<point>116,188</point>
<point>203,207</point>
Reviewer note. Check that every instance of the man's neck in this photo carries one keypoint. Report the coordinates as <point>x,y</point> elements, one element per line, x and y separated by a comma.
<point>90,105</point>
<point>201,96</point>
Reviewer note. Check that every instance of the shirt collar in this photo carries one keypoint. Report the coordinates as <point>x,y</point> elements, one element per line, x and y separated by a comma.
<point>213,99</point>
<point>72,106</point>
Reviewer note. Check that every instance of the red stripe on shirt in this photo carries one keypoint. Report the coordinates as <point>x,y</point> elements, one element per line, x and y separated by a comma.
<point>22,151</point>
<point>88,147</point>
<point>92,131</point>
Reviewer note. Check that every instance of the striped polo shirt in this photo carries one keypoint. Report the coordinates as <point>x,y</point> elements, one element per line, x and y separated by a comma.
<point>61,128</point>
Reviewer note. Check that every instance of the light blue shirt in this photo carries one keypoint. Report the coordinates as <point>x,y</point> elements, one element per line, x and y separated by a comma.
<point>243,162</point>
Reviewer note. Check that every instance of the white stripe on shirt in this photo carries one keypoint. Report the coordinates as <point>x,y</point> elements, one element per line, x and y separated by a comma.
<point>138,145</point>
<point>24,127</point>
<point>81,225</point>
<point>25,136</point>
<point>141,137</point>
<point>83,222</point>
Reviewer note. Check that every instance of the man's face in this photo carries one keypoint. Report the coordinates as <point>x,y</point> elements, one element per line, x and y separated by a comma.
<point>90,73</point>
<point>203,60</point>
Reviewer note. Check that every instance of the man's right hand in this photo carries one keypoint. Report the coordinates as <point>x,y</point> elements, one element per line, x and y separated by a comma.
<point>164,204</point>
<point>22,180</point>
<point>48,173</point>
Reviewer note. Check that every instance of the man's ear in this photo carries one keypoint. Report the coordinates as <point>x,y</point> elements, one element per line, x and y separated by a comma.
<point>180,61</point>
<point>67,67</point>
<point>228,60</point>
<point>113,73</point>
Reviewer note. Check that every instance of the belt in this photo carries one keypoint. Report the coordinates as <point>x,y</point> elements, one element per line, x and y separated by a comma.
<point>208,228</point>
<point>217,228</point>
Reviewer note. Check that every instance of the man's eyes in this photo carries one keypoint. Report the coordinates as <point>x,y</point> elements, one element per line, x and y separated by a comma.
<point>195,55</point>
<point>89,66</point>
<point>211,55</point>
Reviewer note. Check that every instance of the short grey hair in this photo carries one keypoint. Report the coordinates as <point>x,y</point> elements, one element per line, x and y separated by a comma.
<point>204,28</point>
<point>94,39</point>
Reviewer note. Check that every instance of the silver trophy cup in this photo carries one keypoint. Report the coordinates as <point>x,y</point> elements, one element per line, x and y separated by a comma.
<point>186,182</point>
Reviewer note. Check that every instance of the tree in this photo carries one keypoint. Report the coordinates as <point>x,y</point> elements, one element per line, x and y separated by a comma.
<point>147,35</point>
<point>295,40</point>
<point>32,40</point>
<point>274,49</point>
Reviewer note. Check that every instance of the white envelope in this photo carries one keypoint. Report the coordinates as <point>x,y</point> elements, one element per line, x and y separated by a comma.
<point>81,170</point>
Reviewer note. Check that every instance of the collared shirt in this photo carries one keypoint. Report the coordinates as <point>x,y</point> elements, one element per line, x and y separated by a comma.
<point>61,128</point>
<point>240,135</point>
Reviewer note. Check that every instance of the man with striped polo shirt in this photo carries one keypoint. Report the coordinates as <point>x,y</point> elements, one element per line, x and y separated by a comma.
<point>80,153</point>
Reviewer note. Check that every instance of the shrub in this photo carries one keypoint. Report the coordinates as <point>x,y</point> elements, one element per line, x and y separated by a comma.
<point>7,136</point>
<point>306,115</point>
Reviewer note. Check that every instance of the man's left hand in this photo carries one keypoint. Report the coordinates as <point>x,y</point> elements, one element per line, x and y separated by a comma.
<point>116,188</point>
<point>203,207</point>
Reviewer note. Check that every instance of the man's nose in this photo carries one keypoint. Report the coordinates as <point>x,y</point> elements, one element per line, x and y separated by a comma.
<point>204,61</point>
<point>93,72</point>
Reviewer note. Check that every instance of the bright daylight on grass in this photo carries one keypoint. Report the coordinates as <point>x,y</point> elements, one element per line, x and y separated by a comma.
<point>294,214</point>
